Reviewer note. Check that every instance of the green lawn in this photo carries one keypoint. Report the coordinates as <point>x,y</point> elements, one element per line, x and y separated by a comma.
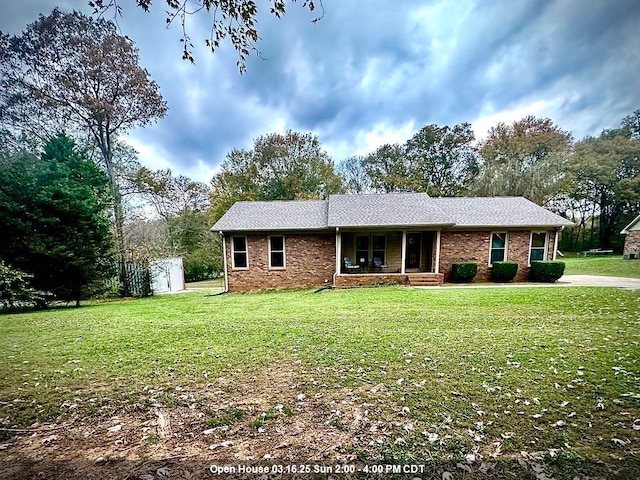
<point>475,376</point>
<point>612,265</point>
<point>216,283</point>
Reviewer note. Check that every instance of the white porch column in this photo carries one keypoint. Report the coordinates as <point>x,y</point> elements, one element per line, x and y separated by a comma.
<point>224,256</point>
<point>555,247</point>
<point>338,250</point>
<point>404,250</point>
<point>437,266</point>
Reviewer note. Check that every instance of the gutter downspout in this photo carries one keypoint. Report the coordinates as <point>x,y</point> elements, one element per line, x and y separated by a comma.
<point>555,246</point>
<point>224,256</point>
<point>403,254</point>
<point>338,254</point>
<point>437,269</point>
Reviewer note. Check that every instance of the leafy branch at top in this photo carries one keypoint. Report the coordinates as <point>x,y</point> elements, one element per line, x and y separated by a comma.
<point>232,19</point>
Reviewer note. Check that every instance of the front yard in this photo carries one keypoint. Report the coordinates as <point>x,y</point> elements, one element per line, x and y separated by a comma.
<point>482,383</point>
<point>610,265</point>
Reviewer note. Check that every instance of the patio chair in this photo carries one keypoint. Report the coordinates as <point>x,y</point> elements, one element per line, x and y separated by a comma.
<point>349,266</point>
<point>378,266</point>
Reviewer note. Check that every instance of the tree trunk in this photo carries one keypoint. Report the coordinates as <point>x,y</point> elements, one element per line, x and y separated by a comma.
<point>104,142</point>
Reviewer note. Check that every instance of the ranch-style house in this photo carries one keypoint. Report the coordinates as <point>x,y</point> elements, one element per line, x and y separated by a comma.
<point>366,239</point>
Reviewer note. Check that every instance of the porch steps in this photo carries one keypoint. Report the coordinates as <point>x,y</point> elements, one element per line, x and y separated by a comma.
<point>426,279</point>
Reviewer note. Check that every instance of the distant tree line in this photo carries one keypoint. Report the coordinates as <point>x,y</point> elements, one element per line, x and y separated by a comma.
<point>595,182</point>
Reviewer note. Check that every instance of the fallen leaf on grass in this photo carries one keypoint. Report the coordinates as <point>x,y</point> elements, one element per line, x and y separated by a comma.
<point>619,442</point>
<point>378,388</point>
<point>432,437</point>
<point>162,472</point>
<point>226,443</point>
<point>115,428</point>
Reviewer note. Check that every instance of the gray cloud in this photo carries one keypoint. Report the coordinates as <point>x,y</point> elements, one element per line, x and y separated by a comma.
<point>382,63</point>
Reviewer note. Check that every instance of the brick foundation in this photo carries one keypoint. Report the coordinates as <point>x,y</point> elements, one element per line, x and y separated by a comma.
<point>361,280</point>
<point>310,261</point>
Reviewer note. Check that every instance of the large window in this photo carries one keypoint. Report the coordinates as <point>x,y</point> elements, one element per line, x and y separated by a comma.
<point>538,246</point>
<point>498,247</point>
<point>276,251</point>
<point>239,252</point>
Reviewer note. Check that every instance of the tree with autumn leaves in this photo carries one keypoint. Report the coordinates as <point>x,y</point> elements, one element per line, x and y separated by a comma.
<point>67,70</point>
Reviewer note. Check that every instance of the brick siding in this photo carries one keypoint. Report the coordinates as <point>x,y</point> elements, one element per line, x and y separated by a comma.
<point>474,246</point>
<point>310,261</point>
<point>310,258</point>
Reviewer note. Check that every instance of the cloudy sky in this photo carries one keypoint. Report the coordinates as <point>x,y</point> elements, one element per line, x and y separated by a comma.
<point>375,71</point>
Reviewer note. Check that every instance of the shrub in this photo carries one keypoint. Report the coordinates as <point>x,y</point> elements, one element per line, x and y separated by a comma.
<point>547,272</point>
<point>464,272</point>
<point>14,288</point>
<point>201,264</point>
<point>503,271</point>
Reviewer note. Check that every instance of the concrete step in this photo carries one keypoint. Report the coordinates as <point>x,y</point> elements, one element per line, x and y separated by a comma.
<point>426,279</point>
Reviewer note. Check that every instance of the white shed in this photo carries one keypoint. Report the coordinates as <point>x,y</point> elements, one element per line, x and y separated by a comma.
<point>167,275</point>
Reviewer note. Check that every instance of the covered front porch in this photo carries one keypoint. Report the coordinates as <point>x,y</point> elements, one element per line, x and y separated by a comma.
<point>405,257</point>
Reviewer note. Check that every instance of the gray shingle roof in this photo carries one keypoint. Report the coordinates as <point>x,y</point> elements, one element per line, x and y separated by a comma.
<point>386,209</point>
<point>499,212</point>
<point>275,215</point>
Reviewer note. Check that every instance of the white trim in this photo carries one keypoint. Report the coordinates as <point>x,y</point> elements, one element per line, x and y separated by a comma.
<point>555,246</point>
<point>506,245</point>
<point>224,256</point>
<point>404,251</point>
<point>626,229</point>
<point>233,252</point>
<point>546,245</point>
<point>284,253</point>
<point>338,250</point>
<point>437,269</point>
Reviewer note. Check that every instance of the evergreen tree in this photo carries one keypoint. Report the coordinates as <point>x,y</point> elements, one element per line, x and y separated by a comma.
<point>54,209</point>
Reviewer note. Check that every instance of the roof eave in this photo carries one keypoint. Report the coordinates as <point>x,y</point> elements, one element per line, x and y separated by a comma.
<point>271,229</point>
<point>626,229</point>
<point>513,225</point>
<point>415,225</point>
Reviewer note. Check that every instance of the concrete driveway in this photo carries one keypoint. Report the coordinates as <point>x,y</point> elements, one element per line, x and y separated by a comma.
<point>565,281</point>
<point>600,281</point>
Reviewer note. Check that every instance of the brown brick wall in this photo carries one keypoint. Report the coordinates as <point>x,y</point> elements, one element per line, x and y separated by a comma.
<point>464,247</point>
<point>519,242</point>
<point>361,280</point>
<point>310,261</point>
<point>473,246</point>
<point>632,243</point>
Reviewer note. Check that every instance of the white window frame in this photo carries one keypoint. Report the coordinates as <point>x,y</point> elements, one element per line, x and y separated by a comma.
<point>233,252</point>
<point>506,245</point>
<point>284,254</point>
<point>546,245</point>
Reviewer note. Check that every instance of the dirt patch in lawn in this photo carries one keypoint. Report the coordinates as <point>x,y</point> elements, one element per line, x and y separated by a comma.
<point>236,418</point>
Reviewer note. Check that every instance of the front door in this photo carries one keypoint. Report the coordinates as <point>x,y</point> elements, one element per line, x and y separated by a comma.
<point>413,251</point>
